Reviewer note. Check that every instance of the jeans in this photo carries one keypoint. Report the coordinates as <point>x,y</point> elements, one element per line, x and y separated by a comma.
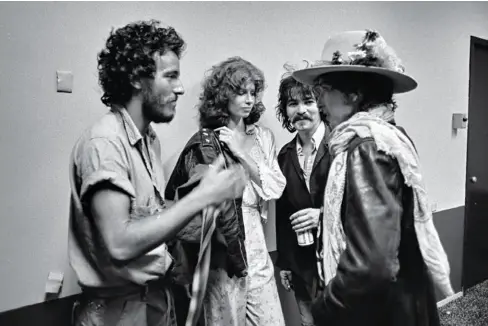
<point>304,294</point>
<point>151,307</point>
<point>305,308</point>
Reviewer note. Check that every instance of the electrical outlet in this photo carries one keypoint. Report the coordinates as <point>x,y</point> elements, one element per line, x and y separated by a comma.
<point>459,120</point>
<point>54,282</point>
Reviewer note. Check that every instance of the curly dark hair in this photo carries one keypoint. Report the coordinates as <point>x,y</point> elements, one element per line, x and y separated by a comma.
<point>128,56</point>
<point>375,89</point>
<point>222,84</point>
<point>289,89</point>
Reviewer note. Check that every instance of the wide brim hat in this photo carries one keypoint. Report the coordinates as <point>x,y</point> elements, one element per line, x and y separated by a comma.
<point>361,51</point>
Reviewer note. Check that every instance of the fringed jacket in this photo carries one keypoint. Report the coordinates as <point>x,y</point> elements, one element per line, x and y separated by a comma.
<point>381,278</point>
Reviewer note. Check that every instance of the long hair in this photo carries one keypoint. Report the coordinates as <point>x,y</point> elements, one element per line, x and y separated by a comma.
<point>374,88</point>
<point>290,89</point>
<point>222,84</point>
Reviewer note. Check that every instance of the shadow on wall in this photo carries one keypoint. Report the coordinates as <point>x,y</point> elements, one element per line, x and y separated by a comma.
<point>177,133</point>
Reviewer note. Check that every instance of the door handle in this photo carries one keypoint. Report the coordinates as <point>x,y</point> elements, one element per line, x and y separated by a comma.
<point>473,179</point>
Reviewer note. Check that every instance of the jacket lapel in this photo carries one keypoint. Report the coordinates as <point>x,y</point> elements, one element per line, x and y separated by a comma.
<point>323,148</point>
<point>292,155</point>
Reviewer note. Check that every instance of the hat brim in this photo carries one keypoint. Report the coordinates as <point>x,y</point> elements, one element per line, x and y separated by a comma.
<point>402,83</point>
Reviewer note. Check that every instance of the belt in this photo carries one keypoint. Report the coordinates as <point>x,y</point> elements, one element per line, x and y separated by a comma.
<point>118,296</point>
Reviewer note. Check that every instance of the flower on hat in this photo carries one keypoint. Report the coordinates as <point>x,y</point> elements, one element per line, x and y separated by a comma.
<point>372,51</point>
<point>337,58</point>
<point>356,55</point>
<point>365,51</point>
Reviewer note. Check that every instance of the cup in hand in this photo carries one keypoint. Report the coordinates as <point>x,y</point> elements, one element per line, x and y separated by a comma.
<point>305,238</point>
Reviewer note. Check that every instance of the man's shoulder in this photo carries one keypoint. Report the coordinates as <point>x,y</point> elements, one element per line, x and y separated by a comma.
<point>288,146</point>
<point>108,126</point>
<point>106,130</point>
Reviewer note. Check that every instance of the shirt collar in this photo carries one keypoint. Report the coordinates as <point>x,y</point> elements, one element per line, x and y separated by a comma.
<point>133,133</point>
<point>250,129</point>
<point>316,138</point>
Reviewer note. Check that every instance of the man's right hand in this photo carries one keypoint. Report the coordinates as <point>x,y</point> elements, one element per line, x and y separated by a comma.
<point>222,184</point>
<point>286,279</point>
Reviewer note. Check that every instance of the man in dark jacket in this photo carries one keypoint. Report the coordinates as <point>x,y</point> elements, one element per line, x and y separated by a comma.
<point>304,162</point>
<point>380,252</point>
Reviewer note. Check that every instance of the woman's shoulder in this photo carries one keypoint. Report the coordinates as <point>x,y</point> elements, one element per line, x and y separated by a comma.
<point>261,130</point>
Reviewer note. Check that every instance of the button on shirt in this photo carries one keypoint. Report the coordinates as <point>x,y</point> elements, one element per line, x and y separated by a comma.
<point>114,151</point>
<point>306,161</point>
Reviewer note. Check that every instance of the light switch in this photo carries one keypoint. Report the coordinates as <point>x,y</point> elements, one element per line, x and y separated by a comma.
<point>54,282</point>
<point>64,81</point>
<point>459,120</point>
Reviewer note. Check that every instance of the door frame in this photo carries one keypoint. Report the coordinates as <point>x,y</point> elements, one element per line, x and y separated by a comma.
<point>474,41</point>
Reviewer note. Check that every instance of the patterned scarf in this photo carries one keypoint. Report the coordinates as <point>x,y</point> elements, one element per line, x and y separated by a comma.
<point>393,142</point>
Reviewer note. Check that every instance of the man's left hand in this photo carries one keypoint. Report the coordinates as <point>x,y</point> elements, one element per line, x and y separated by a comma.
<point>305,219</point>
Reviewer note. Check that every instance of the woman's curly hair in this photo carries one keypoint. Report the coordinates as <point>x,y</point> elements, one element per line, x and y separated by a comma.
<point>128,56</point>
<point>222,85</point>
<point>290,89</point>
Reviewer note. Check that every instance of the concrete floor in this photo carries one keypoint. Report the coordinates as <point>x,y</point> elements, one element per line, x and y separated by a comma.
<point>469,310</point>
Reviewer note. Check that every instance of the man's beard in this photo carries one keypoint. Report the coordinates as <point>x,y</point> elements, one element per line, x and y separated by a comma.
<point>154,109</point>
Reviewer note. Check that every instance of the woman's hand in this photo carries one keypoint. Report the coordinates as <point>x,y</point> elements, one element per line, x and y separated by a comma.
<point>233,139</point>
<point>223,184</point>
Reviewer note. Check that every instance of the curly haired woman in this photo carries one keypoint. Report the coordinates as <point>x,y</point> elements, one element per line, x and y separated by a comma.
<point>229,109</point>
<point>230,105</point>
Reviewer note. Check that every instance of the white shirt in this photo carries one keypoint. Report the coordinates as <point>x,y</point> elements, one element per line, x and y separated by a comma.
<point>306,161</point>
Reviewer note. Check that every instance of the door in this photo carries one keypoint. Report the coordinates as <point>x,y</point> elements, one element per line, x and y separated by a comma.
<point>475,253</point>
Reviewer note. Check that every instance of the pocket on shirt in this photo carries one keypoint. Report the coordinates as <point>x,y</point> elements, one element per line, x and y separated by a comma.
<point>159,257</point>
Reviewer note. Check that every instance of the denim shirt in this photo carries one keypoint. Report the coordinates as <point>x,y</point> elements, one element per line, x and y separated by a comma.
<point>114,151</point>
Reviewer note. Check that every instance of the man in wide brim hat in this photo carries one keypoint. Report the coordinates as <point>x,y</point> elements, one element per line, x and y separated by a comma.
<point>359,51</point>
<point>379,252</point>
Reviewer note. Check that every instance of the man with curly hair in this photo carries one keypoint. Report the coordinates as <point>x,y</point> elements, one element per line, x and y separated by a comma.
<point>304,162</point>
<point>120,226</point>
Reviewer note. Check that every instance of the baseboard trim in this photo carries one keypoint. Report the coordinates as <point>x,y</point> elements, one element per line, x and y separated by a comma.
<point>449,299</point>
<point>56,312</point>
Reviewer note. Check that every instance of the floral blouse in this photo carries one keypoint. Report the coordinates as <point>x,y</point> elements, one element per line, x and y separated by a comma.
<point>273,182</point>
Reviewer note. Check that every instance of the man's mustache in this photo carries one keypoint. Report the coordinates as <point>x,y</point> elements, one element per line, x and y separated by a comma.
<point>300,117</point>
